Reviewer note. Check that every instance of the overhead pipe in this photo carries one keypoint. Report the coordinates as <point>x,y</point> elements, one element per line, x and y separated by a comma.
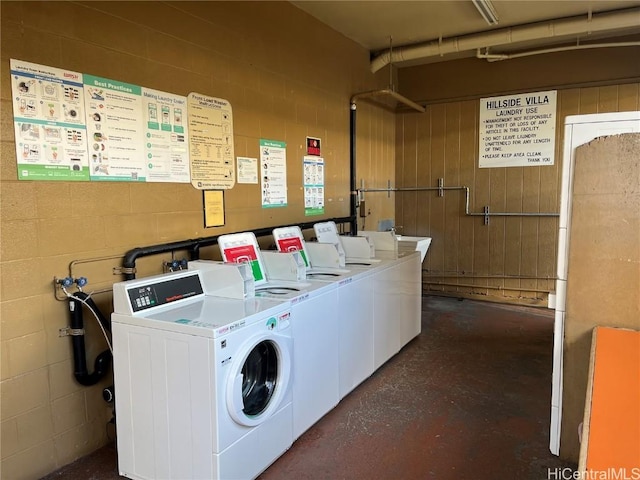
<point>556,29</point>
<point>194,245</point>
<point>496,57</point>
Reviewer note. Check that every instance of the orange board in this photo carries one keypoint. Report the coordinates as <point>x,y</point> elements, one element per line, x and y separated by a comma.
<point>614,425</point>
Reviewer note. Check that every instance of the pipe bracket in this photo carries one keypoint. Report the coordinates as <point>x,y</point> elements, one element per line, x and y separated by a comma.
<point>68,331</point>
<point>124,270</point>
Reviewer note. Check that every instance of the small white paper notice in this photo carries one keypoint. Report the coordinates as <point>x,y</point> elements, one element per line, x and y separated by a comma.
<point>247,169</point>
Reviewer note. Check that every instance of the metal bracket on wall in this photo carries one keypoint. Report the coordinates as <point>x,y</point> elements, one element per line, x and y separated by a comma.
<point>486,213</point>
<point>67,331</point>
<point>123,271</point>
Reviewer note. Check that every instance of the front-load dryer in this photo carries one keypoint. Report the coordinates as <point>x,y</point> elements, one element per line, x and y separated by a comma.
<point>203,383</point>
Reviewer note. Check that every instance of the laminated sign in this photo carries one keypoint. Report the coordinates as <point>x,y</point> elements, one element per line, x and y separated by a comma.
<point>211,142</point>
<point>518,130</point>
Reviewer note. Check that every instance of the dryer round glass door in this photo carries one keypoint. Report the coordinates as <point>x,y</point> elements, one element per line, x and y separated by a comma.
<point>259,379</point>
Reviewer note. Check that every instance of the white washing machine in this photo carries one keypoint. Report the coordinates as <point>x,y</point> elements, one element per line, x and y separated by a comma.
<point>314,323</point>
<point>354,330</point>
<point>355,306</point>
<point>202,383</point>
<point>315,326</point>
<point>397,305</point>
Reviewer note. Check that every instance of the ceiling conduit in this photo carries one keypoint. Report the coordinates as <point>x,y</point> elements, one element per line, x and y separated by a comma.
<point>496,57</point>
<point>556,29</point>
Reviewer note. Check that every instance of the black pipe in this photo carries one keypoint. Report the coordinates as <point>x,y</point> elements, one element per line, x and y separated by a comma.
<point>194,245</point>
<point>352,170</point>
<point>103,360</point>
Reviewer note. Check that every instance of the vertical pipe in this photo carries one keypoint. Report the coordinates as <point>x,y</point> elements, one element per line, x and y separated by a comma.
<point>352,171</point>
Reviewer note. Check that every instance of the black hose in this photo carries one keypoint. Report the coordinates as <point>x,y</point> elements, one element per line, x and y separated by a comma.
<point>89,301</point>
<point>103,360</point>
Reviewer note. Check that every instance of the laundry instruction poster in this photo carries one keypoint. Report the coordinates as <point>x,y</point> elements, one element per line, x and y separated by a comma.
<point>114,130</point>
<point>49,122</point>
<point>273,178</point>
<point>166,137</point>
<point>210,122</point>
<point>313,177</point>
<point>518,130</point>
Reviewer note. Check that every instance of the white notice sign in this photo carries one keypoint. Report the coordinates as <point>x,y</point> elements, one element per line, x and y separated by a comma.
<point>211,142</point>
<point>518,130</point>
<point>247,170</point>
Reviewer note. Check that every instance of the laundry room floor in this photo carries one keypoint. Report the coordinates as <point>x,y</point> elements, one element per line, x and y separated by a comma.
<point>469,398</point>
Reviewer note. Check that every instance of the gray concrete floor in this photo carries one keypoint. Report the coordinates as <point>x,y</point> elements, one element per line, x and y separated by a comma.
<point>469,398</point>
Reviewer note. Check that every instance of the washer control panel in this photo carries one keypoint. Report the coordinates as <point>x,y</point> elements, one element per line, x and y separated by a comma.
<point>159,293</point>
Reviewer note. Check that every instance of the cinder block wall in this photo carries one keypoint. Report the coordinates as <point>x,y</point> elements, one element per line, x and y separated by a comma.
<point>286,76</point>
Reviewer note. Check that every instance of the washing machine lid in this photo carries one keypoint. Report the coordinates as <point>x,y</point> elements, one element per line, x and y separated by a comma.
<point>244,248</point>
<point>290,239</point>
<point>211,317</point>
<point>293,291</point>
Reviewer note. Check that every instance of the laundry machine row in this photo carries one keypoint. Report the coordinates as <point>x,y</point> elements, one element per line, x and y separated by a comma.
<point>212,387</point>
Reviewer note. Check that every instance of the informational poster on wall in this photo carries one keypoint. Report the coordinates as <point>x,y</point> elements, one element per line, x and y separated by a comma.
<point>247,169</point>
<point>213,202</point>
<point>114,130</point>
<point>313,177</point>
<point>74,126</point>
<point>166,137</point>
<point>273,181</point>
<point>518,130</point>
<point>49,122</point>
<point>211,142</point>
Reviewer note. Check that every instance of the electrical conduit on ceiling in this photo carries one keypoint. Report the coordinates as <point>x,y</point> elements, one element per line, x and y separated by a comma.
<point>496,57</point>
<point>558,29</point>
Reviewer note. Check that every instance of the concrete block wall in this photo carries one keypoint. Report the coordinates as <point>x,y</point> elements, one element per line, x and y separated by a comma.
<point>286,76</point>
